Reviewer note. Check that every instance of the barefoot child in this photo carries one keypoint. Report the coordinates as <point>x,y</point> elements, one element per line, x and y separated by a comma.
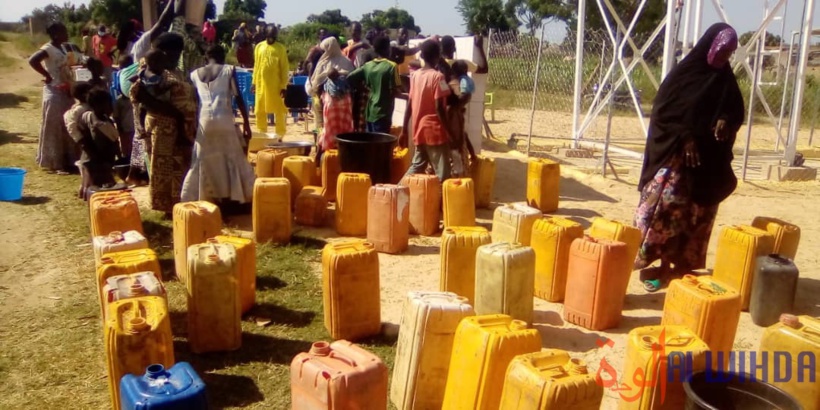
<point>100,141</point>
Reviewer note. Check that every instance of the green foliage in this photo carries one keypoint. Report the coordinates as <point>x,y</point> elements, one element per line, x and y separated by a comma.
<point>74,17</point>
<point>482,15</point>
<point>255,9</point>
<point>329,18</point>
<point>113,12</point>
<point>391,18</point>
<point>772,40</point>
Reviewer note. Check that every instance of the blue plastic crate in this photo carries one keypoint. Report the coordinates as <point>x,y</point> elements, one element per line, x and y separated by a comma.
<point>245,78</point>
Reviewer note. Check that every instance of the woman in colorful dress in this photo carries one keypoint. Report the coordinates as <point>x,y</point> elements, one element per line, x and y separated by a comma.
<point>171,145</point>
<point>56,152</point>
<point>329,86</point>
<point>687,170</point>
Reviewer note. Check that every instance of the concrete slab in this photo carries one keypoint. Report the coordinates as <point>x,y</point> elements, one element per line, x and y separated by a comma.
<point>785,173</point>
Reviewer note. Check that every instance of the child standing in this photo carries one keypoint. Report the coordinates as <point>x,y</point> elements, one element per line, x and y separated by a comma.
<point>72,122</point>
<point>426,109</point>
<point>464,88</point>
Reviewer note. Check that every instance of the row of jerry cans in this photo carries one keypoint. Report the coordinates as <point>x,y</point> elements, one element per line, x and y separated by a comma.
<point>447,358</point>
<point>502,277</point>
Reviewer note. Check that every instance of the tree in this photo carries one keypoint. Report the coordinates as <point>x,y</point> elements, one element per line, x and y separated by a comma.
<point>112,12</point>
<point>253,8</point>
<point>393,17</point>
<point>330,18</point>
<point>482,15</point>
<point>772,40</point>
<point>73,17</point>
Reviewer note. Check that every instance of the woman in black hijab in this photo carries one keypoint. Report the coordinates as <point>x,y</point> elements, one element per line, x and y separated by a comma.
<point>687,169</point>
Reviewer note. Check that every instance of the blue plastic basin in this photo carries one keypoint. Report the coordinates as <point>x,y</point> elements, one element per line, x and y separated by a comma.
<point>11,183</point>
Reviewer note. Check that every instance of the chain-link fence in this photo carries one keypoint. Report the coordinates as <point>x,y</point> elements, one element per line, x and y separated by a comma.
<point>526,90</point>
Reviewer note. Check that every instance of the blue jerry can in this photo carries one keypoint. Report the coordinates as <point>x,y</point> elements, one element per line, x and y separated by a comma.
<point>163,389</point>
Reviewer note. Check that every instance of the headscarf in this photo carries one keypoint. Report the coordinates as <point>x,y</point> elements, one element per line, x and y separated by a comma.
<point>692,97</point>
<point>332,58</point>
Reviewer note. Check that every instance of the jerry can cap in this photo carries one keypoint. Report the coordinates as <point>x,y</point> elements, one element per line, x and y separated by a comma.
<point>790,320</point>
<point>577,366</point>
<point>320,348</point>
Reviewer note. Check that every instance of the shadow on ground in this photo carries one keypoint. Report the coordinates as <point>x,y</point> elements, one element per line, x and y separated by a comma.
<point>14,138</point>
<point>32,200</point>
<point>513,173</point>
<point>10,100</point>
<point>231,391</point>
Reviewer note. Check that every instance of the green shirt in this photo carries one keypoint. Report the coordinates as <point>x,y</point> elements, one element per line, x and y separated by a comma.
<point>381,76</point>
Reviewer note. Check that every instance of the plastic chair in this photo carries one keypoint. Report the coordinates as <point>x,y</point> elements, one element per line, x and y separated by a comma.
<point>297,101</point>
<point>299,80</point>
<point>244,78</point>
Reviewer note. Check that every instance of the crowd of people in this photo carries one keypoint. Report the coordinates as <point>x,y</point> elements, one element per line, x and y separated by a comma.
<point>173,118</point>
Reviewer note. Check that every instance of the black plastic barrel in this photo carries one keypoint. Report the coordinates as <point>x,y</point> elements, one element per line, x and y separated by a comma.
<point>728,391</point>
<point>368,153</point>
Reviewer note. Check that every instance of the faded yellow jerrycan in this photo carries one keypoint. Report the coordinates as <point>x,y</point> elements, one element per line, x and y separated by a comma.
<point>194,223</point>
<point>483,173</point>
<point>786,235</point>
<point>550,380</point>
<point>513,223</point>
<point>272,217</point>
<point>426,333</point>
<point>214,308</point>
<point>351,296</point>
<point>736,258</point>
<point>245,266</point>
<point>504,280</point>
<point>351,203</point>
<point>543,184</point>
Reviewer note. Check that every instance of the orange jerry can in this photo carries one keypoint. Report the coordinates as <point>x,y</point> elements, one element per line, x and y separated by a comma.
<point>551,240</point>
<point>736,258</point>
<point>786,235</point>
<point>126,263</point>
<point>245,266</point>
<point>459,202</point>
<point>483,173</point>
<point>311,207</point>
<point>459,245</point>
<point>350,289</point>
<point>114,213</point>
<point>670,353</point>
<point>214,309</point>
<point>271,210</point>
<point>338,376</point>
<point>330,170</point>
<point>543,184</point>
<point>137,335</point>
<point>351,204</point>
<point>388,213</point>
<point>300,171</point>
<point>596,283</point>
<point>129,286</point>
<point>483,348</point>
<point>269,162</point>
<point>513,223</point>
<point>794,343</point>
<point>615,231</point>
<point>550,380</point>
<point>709,309</point>
<point>504,280</point>
<point>117,242</point>
<point>428,327</point>
<point>194,223</point>
<point>399,165</point>
<point>425,203</point>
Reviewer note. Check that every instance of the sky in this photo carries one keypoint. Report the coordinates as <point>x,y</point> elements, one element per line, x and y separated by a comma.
<point>441,16</point>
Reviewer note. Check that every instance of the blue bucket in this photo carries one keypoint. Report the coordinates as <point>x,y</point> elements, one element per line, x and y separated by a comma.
<point>11,183</point>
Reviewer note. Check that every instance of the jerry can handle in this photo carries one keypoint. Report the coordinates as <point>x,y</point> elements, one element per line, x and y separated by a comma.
<point>679,340</point>
<point>348,361</point>
<point>811,331</point>
<point>712,288</point>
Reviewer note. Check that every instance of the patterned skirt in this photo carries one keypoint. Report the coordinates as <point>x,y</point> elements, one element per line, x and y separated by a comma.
<point>170,161</point>
<point>56,150</point>
<point>674,229</point>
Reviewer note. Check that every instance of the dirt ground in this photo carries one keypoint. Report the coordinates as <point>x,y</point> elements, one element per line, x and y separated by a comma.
<point>34,260</point>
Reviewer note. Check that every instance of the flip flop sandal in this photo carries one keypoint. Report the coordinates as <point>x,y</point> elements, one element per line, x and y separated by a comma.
<point>652,285</point>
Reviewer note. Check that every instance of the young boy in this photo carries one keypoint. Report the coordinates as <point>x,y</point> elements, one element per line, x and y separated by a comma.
<point>97,70</point>
<point>100,141</point>
<point>426,109</point>
<point>381,77</point>
<point>464,88</point>
<point>72,121</point>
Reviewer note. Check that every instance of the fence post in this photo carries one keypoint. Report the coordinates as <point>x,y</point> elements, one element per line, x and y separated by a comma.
<point>579,72</point>
<point>750,116</point>
<point>535,89</point>
<point>800,82</point>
